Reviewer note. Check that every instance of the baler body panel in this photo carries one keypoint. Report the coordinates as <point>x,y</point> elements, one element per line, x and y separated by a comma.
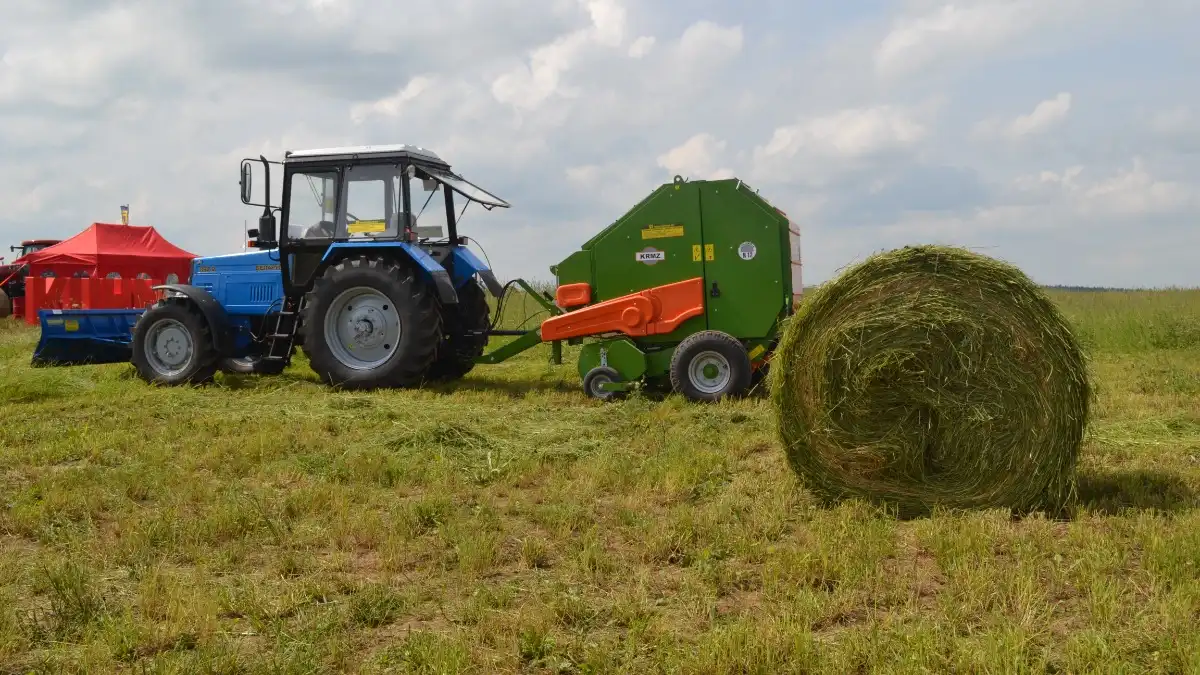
<point>745,260</point>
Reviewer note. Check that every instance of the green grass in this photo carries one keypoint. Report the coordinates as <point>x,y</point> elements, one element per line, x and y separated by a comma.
<point>509,524</point>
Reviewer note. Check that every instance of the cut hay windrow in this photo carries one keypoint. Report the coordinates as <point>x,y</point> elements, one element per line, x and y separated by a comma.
<point>932,376</point>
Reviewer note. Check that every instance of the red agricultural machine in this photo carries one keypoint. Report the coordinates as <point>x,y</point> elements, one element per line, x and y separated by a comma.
<point>12,275</point>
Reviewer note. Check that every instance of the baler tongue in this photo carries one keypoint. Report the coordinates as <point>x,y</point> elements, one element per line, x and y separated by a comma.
<point>79,337</point>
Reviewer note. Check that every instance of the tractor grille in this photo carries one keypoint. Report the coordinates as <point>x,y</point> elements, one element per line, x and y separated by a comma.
<point>260,293</point>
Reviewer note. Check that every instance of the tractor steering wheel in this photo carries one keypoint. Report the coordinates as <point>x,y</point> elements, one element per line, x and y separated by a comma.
<point>322,230</point>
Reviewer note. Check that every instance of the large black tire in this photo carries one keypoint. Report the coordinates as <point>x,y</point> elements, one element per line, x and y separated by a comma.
<point>185,354</point>
<point>5,305</point>
<point>398,295</point>
<point>711,350</point>
<point>465,337</point>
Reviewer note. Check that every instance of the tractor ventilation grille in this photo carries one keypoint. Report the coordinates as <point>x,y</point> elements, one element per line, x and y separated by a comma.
<point>260,293</point>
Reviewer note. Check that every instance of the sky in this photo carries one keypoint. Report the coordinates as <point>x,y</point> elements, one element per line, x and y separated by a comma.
<point>1060,135</point>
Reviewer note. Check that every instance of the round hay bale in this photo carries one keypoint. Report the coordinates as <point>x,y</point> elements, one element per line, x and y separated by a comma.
<point>932,376</point>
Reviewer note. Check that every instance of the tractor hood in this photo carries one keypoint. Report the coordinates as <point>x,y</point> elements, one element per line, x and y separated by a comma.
<point>249,261</point>
<point>12,269</point>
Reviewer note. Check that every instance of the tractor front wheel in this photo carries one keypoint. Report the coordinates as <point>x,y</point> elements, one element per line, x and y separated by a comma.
<point>173,345</point>
<point>709,366</point>
<point>371,323</point>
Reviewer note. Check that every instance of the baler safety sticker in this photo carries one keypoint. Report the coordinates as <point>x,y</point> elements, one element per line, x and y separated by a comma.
<point>709,254</point>
<point>662,231</point>
<point>650,256</point>
<point>696,253</point>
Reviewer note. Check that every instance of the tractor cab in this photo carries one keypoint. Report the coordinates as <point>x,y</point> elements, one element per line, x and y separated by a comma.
<point>334,198</point>
<point>32,245</point>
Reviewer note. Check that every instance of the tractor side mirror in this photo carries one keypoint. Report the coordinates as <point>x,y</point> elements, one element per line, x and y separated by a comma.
<point>244,182</point>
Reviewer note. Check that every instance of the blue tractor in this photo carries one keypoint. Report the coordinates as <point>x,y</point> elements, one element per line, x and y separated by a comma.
<point>366,272</point>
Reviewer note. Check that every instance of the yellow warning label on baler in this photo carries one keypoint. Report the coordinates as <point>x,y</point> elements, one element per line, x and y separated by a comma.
<point>756,351</point>
<point>695,252</point>
<point>709,254</point>
<point>662,231</point>
<point>72,325</point>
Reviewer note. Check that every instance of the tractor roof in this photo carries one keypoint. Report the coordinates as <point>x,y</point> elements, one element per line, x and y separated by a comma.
<point>384,152</point>
<point>35,242</point>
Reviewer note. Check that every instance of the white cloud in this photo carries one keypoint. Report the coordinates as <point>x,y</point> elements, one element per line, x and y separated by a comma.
<point>528,86</point>
<point>641,46</point>
<point>1128,192</point>
<point>825,144</point>
<point>710,41</point>
<point>698,157</point>
<point>392,106</point>
<point>1045,116</point>
<point>949,30</point>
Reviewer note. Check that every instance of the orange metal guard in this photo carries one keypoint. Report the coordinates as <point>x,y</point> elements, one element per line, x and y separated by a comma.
<point>653,311</point>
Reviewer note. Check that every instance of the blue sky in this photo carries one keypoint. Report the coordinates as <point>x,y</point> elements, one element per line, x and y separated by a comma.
<point>1061,135</point>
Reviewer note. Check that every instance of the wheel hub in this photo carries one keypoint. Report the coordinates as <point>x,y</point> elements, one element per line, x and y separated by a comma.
<point>709,372</point>
<point>369,327</point>
<point>362,328</point>
<point>169,347</point>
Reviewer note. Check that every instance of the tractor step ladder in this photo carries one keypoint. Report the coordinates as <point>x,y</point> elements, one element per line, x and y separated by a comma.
<point>282,340</point>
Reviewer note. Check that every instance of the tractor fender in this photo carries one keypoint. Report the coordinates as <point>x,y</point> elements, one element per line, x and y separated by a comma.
<point>467,264</point>
<point>434,271</point>
<point>214,313</point>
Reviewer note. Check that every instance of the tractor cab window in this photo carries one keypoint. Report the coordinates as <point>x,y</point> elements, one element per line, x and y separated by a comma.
<point>311,205</point>
<point>374,203</point>
<point>428,198</point>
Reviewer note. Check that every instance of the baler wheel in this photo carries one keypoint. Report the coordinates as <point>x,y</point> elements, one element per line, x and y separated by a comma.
<point>709,366</point>
<point>5,305</point>
<point>173,345</point>
<point>371,323</point>
<point>598,376</point>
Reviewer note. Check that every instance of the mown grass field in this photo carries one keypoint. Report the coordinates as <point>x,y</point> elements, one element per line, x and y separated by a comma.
<point>509,524</point>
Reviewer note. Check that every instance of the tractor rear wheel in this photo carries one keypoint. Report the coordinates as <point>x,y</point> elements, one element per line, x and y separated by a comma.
<point>369,322</point>
<point>173,345</point>
<point>5,305</point>
<point>466,334</point>
<point>710,365</point>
